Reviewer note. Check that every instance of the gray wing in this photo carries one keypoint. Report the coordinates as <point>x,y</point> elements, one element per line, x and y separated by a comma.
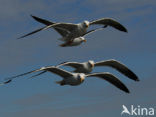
<point>91,31</point>
<point>52,69</point>
<point>6,82</point>
<point>46,22</point>
<point>63,26</point>
<point>71,64</point>
<point>9,79</point>
<point>109,22</point>
<point>120,67</point>
<point>111,79</point>
<point>40,29</point>
<point>59,71</point>
<point>35,31</point>
<point>67,26</point>
<point>38,74</point>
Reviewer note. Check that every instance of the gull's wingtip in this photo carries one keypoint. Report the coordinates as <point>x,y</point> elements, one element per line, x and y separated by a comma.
<point>127,91</point>
<point>18,38</point>
<point>134,77</point>
<point>31,15</point>
<point>126,30</point>
<point>6,82</point>
<point>137,80</point>
<point>122,28</point>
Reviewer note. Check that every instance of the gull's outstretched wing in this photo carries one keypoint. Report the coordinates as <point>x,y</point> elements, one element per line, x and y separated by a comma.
<point>67,26</point>
<point>91,31</point>
<point>6,82</point>
<point>109,22</point>
<point>43,21</point>
<point>52,69</point>
<point>59,71</point>
<point>111,79</point>
<point>61,31</point>
<point>9,79</point>
<point>35,31</point>
<point>71,64</point>
<point>64,26</point>
<point>38,74</point>
<point>120,67</point>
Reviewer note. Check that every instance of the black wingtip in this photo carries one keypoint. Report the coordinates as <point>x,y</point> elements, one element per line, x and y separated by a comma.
<point>133,77</point>
<point>137,80</point>
<point>124,88</point>
<point>32,15</point>
<point>7,82</point>
<point>127,91</point>
<point>126,30</point>
<point>20,37</point>
<point>123,29</point>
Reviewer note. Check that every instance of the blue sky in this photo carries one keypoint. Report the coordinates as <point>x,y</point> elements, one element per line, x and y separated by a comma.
<point>41,96</point>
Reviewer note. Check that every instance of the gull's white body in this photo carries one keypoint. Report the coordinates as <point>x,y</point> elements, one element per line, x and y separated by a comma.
<point>77,41</point>
<point>80,30</point>
<point>75,37</point>
<point>74,80</point>
<point>74,42</point>
<point>86,67</point>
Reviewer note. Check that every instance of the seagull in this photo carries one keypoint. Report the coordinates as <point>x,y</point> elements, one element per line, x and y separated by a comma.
<point>75,79</point>
<point>70,31</point>
<point>79,40</point>
<point>87,67</point>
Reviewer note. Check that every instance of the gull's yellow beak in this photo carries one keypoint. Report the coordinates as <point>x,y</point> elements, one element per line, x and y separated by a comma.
<point>82,80</point>
<point>87,25</point>
<point>84,40</point>
<point>92,65</point>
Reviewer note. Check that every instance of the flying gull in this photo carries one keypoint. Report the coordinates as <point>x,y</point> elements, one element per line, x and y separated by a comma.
<point>70,31</point>
<point>87,67</point>
<point>79,40</point>
<point>75,79</point>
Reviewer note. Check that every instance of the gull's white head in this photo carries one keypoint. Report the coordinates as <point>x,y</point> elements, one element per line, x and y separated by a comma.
<point>85,24</point>
<point>91,63</point>
<point>81,77</point>
<point>83,39</point>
